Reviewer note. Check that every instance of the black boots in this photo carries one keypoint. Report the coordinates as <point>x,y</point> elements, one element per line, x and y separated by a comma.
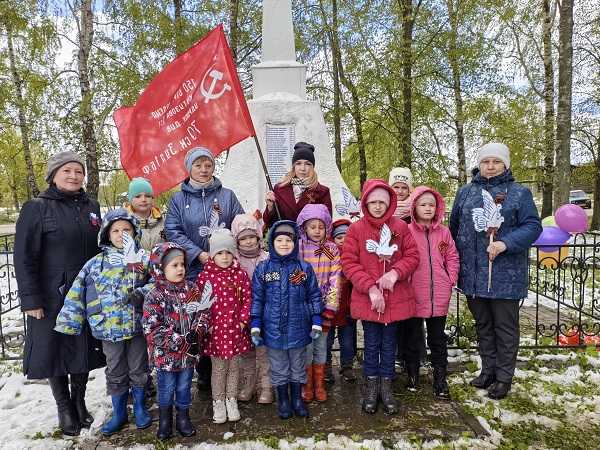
<point>183,424</point>
<point>297,403</point>
<point>412,373</point>
<point>370,397</point>
<point>165,423</point>
<point>387,397</point>
<point>440,385</point>
<point>498,390</point>
<point>284,408</point>
<point>78,385</point>
<point>483,381</point>
<point>68,420</point>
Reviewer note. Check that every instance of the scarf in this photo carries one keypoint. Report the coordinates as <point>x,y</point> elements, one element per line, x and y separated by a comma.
<point>252,253</point>
<point>402,208</point>
<point>197,185</point>
<point>299,186</point>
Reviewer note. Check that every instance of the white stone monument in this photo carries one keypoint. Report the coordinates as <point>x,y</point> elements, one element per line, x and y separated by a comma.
<point>282,116</point>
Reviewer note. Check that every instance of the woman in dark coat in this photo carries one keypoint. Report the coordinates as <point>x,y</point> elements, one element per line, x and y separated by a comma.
<point>56,234</point>
<point>298,188</point>
<point>495,307</point>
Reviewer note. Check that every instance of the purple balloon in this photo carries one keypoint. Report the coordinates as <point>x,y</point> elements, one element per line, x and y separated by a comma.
<point>551,238</point>
<point>571,218</point>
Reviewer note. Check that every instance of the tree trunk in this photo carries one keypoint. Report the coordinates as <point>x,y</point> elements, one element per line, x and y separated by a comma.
<point>86,34</point>
<point>179,45</point>
<point>456,86</point>
<point>234,9</point>
<point>562,174</point>
<point>549,140</point>
<point>407,22</point>
<point>596,205</point>
<point>355,111</point>
<point>337,120</point>
<point>32,187</point>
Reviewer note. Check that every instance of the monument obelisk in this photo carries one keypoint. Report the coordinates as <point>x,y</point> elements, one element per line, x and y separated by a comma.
<point>281,115</point>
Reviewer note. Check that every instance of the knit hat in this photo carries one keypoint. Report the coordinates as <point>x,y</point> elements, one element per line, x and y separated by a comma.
<point>494,149</point>
<point>340,227</point>
<point>401,175</point>
<point>55,162</point>
<point>137,186</point>
<point>284,229</point>
<point>304,150</point>
<point>196,153</point>
<point>171,255</point>
<point>379,194</point>
<point>220,240</point>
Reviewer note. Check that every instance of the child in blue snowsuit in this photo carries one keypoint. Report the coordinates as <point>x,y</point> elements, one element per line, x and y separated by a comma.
<point>108,293</point>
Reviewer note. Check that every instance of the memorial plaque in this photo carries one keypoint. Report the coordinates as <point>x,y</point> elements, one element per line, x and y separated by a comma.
<point>280,140</point>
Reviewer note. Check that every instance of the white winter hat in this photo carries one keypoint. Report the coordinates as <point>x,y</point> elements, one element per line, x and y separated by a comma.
<point>496,149</point>
<point>401,175</point>
<point>220,240</point>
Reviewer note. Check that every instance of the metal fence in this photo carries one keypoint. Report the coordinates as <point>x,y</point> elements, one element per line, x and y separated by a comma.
<point>561,311</point>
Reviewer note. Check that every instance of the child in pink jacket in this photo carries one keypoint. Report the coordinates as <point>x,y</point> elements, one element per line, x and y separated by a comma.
<point>432,282</point>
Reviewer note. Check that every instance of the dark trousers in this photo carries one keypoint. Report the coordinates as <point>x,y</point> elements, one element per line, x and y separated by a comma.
<point>126,364</point>
<point>380,349</point>
<point>405,341</point>
<point>436,340</point>
<point>497,324</point>
<point>174,385</point>
<point>347,339</point>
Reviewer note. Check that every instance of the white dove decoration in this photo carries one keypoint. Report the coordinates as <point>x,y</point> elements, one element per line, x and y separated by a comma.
<point>213,224</point>
<point>489,216</point>
<point>129,255</point>
<point>350,207</point>
<point>206,300</point>
<point>383,249</point>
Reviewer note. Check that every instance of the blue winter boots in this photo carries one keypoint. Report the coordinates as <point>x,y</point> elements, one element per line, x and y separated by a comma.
<point>284,408</point>
<point>142,417</point>
<point>119,415</point>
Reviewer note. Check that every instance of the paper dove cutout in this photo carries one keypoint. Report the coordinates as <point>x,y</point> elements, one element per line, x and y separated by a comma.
<point>350,207</point>
<point>129,255</point>
<point>382,248</point>
<point>213,224</point>
<point>487,218</point>
<point>206,300</point>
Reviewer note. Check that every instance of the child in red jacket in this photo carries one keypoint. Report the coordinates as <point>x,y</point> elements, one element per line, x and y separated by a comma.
<point>432,283</point>
<point>229,317</point>
<point>342,324</point>
<point>379,257</point>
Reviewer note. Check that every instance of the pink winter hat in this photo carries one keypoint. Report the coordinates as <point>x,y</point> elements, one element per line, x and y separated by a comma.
<point>380,194</point>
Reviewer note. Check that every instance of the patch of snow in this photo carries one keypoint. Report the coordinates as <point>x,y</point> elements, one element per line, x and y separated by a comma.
<point>228,435</point>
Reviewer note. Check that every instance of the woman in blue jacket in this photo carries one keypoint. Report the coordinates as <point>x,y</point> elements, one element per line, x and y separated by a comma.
<point>496,307</point>
<point>202,205</point>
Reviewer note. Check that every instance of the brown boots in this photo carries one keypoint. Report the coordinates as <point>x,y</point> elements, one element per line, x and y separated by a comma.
<point>315,384</point>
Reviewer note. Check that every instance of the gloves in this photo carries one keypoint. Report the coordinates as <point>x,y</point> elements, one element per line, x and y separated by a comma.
<point>377,300</point>
<point>135,298</point>
<point>257,340</point>
<point>316,332</point>
<point>191,337</point>
<point>388,280</point>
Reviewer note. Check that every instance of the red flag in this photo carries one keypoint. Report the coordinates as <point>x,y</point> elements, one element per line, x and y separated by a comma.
<point>197,100</point>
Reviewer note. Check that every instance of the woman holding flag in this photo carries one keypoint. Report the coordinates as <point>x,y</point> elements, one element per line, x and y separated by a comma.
<point>494,221</point>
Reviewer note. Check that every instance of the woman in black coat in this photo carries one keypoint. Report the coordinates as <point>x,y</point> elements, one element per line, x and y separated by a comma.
<point>56,234</point>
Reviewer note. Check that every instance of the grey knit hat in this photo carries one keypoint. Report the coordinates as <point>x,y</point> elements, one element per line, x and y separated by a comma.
<point>55,162</point>
<point>220,240</point>
<point>171,255</point>
<point>196,153</point>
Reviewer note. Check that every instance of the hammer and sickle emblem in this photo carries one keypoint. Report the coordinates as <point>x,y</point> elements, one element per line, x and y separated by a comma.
<point>210,94</point>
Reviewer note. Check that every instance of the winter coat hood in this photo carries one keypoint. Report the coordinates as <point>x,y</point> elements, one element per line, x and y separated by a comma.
<point>273,255</point>
<point>440,209</point>
<point>504,177</point>
<point>210,189</point>
<point>367,189</point>
<point>111,217</point>
<point>314,211</point>
<point>243,222</point>
<point>53,193</point>
<point>156,258</point>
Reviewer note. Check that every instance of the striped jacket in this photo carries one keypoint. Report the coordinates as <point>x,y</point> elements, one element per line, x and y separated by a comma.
<point>323,257</point>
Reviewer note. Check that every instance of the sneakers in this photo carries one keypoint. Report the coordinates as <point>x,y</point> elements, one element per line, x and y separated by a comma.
<point>219,411</point>
<point>233,413</point>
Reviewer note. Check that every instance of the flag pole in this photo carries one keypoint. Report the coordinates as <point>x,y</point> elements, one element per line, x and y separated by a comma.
<point>266,172</point>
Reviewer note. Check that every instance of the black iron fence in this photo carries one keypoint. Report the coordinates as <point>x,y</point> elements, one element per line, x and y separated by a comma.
<point>561,311</point>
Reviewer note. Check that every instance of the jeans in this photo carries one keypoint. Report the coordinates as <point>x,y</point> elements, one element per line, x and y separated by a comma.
<point>175,384</point>
<point>346,337</point>
<point>287,365</point>
<point>380,349</point>
<point>316,351</point>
